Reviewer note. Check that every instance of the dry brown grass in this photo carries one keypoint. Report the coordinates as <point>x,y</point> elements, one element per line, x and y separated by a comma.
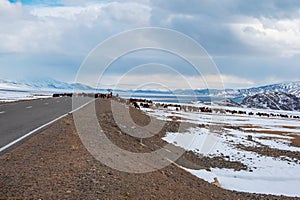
<point>177,118</point>
<point>250,126</point>
<point>296,141</point>
<point>291,127</point>
<point>67,121</point>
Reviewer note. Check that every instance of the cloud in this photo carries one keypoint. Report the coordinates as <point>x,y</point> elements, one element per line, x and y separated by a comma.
<point>127,13</point>
<point>262,70</point>
<point>59,28</point>
<point>275,37</point>
<point>172,82</point>
<point>224,28</point>
<point>56,39</point>
<point>268,9</point>
<point>243,37</point>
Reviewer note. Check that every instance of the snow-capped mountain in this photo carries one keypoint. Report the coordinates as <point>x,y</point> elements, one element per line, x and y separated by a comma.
<point>41,84</point>
<point>273,100</point>
<point>288,87</point>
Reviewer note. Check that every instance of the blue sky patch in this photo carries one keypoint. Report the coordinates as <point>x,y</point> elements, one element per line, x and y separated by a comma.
<point>38,2</point>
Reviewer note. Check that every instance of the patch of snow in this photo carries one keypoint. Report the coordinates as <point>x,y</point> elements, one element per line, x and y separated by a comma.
<point>266,175</point>
<point>10,96</point>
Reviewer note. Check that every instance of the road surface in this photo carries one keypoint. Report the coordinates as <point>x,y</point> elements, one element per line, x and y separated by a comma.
<point>19,118</point>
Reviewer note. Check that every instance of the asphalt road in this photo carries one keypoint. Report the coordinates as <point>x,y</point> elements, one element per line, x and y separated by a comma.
<point>19,118</point>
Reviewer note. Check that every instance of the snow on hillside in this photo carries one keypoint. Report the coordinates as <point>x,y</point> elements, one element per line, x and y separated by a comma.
<point>41,84</point>
<point>273,100</point>
<point>291,88</point>
<point>10,96</point>
<point>37,88</point>
<point>288,87</point>
<point>12,85</point>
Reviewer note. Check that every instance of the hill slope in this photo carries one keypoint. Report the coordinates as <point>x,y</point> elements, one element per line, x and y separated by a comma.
<point>273,100</point>
<point>288,87</point>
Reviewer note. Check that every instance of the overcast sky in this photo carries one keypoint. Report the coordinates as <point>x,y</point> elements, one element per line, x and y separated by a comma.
<point>251,42</point>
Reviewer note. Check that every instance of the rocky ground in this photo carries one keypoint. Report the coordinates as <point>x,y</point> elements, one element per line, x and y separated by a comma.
<point>54,164</point>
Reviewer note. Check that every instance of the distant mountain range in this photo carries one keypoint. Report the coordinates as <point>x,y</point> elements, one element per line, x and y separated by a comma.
<point>288,87</point>
<point>276,96</point>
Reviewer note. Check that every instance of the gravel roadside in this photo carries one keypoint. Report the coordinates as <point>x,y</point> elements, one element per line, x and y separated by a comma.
<point>54,164</point>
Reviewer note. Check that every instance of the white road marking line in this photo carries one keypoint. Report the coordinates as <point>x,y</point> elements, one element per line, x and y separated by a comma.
<point>2,112</point>
<point>30,133</point>
<point>46,103</point>
<point>82,106</point>
<point>167,150</point>
<point>28,107</point>
<point>39,128</point>
<point>57,101</point>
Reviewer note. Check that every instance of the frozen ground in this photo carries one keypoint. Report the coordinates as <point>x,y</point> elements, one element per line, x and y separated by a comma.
<point>10,96</point>
<point>17,94</point>
<point>268,146</point>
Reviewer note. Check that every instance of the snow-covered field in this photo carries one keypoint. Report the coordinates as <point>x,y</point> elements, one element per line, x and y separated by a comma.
<point>224,134</point>
<point>10,96</point>
<point>37,88</point>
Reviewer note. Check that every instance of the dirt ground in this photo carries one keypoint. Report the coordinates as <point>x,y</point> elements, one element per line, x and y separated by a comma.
<point>54,164</point>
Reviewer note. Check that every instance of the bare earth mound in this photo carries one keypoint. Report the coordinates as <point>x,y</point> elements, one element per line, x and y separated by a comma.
<point>54,164</point>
